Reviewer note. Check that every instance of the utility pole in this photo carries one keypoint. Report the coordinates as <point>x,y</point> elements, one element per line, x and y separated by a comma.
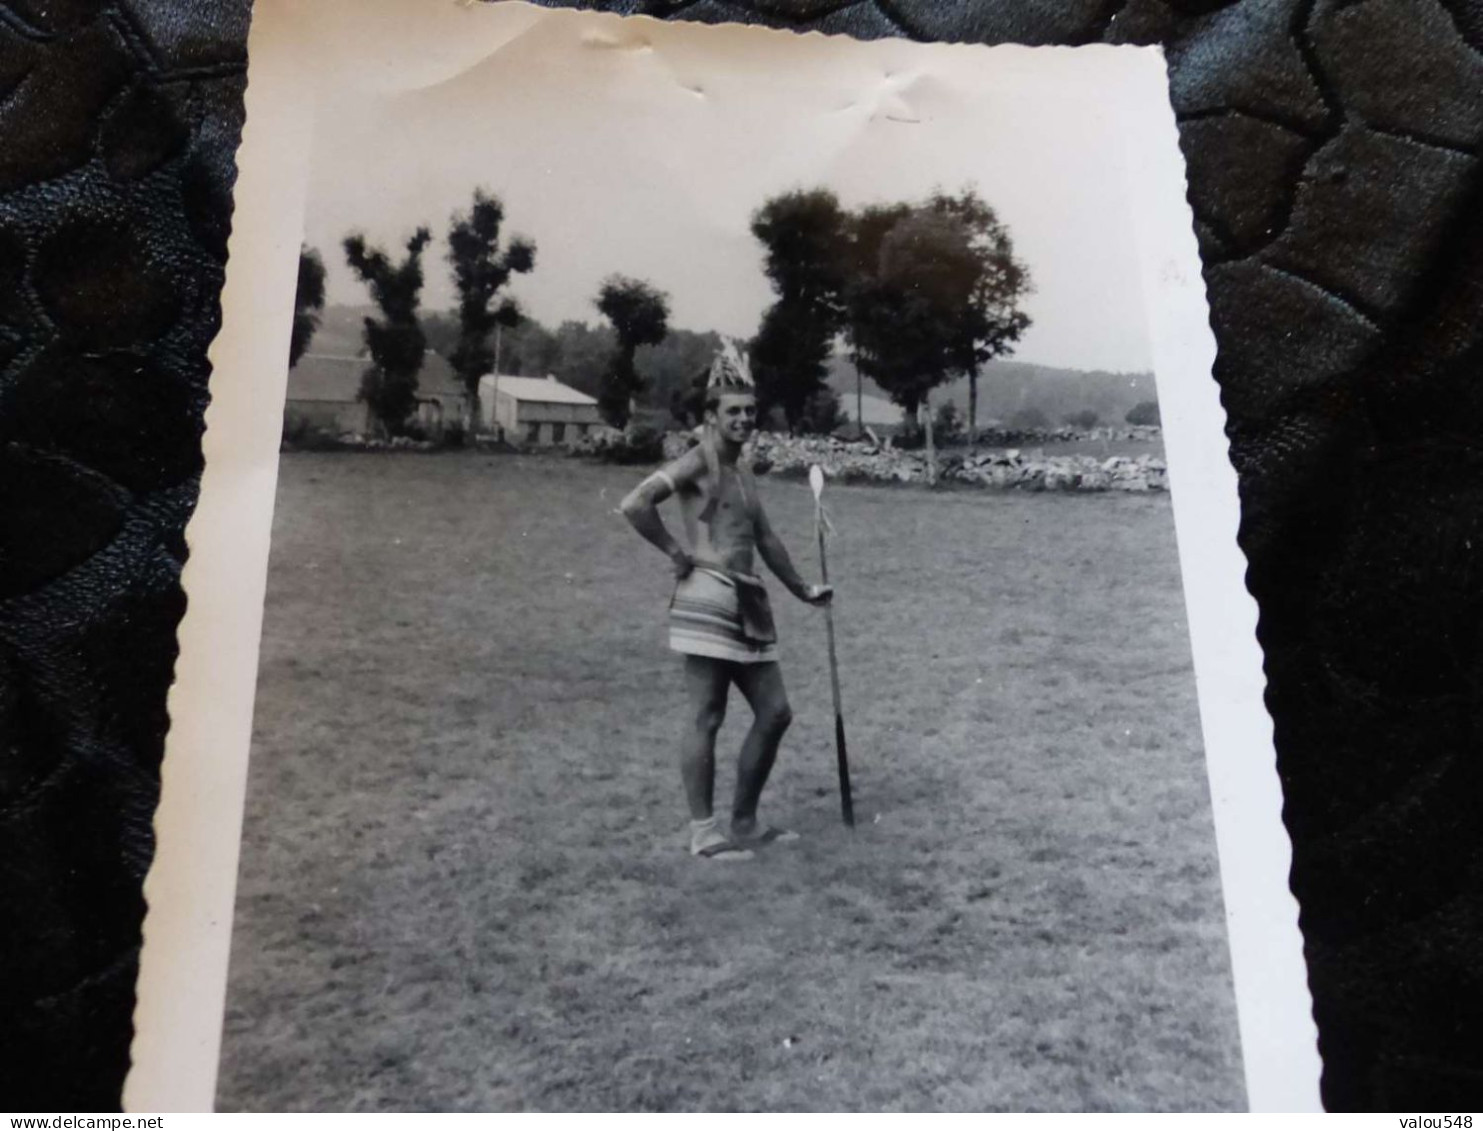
<point>859,397</point>
<point>499,432</point>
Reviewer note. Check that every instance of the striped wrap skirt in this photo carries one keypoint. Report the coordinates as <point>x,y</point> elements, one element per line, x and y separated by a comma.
<point>724,616</point>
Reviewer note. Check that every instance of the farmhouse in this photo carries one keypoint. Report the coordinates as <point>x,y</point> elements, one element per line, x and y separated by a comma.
<point>324,393</point>
<point>440,396</point>
<point>536,410</point>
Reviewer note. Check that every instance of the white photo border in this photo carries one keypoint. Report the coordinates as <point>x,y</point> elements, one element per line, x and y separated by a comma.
<point>191,885</point>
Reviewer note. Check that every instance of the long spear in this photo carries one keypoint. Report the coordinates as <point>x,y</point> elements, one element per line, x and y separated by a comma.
<point>846,801</point>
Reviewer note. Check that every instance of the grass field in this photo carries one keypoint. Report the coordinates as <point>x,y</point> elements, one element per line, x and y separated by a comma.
<point>464,882</point>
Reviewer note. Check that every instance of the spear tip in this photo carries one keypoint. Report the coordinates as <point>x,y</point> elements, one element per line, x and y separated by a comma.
<point>816,480</point>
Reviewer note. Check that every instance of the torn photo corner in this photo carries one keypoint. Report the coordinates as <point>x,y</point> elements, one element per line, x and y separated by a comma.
<point>498,843</point>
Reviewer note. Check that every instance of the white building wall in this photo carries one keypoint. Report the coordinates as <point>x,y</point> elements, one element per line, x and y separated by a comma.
<point>516,417</point>
<point>496,408</point>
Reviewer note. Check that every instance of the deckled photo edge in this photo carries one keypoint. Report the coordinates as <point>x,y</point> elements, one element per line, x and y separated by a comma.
<point>191,886</point>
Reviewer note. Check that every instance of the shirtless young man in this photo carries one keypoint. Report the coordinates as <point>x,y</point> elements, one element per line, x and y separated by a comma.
<point>719,618</point>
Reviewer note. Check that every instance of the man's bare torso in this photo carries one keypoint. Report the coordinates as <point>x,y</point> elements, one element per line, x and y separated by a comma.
<point>730,539</point>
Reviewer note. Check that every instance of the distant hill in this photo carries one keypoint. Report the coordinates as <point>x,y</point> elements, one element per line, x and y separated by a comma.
<point>576,353</point>
<point>340,329</point>
<point>1006,387</point>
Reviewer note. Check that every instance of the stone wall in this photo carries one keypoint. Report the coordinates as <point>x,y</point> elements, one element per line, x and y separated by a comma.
<point>1012,468</point>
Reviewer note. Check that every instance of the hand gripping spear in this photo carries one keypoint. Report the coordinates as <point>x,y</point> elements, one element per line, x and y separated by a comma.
<point>821,522</point>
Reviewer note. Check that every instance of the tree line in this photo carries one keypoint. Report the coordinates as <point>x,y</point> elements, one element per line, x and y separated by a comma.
<point>918,293</point>
<point>483,263</point>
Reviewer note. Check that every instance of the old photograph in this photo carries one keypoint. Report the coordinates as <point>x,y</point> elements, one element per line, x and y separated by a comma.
<point>725,642</point>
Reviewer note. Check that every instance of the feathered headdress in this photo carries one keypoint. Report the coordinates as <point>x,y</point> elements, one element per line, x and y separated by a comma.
<point>729,370</point>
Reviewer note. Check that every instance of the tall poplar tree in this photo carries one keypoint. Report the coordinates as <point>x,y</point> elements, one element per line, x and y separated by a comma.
<point>805,237</point>
<point>308,304</point>
<point>481,269</point>
<point>395,340</point>
<point>640,317</point>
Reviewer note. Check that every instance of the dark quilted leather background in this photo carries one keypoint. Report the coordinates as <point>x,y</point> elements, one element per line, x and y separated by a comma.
<point>1333,163</point>
<point>118,126</point>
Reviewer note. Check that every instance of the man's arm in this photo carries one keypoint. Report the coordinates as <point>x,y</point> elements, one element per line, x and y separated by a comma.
<point>641,506</point>
<point>775,554</point>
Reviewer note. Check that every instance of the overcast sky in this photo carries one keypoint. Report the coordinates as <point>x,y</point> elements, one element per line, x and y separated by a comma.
<point>643,148</point>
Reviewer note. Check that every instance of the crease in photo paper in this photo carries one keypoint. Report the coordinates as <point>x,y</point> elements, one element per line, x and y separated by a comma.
<point>864,95</point>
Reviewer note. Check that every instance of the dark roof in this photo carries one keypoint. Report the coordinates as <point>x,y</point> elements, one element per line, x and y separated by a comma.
<point>326,377</point>
<point>336,377</point>
<point>436,377</point>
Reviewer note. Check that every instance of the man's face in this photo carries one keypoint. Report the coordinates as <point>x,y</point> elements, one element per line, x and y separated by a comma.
<point>736,416</point>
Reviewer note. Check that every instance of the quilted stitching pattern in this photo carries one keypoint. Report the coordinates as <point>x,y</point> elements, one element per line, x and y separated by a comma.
<point>118,125</point>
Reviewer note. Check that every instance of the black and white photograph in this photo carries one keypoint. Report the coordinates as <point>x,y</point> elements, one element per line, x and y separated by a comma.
<point>727,638</point>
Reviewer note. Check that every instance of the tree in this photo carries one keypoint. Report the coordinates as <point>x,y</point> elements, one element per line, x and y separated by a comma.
<point>992,322</point>
<point>481,268</point>
<point>1144,412</point>
<point>528,349</point>
<point>908,302</point>
<point>640,317</point>
<point>948,425</point>
<point>934,292</point>
<point>395,340</point>
<point>308,303</point>
<point>582,355</point>
<point>789,359</point>
<point>822,414</point>
<point>867,230</point>
<point>440,330</point>
<point>805,234</point>
<point>668,367</point>
<point>1030,419</point>
<point>1085,419</point>
<point>687,403</point>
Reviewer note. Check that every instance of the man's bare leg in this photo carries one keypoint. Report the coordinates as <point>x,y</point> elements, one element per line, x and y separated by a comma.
<point>762,684</point>
<point>706,684</point>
